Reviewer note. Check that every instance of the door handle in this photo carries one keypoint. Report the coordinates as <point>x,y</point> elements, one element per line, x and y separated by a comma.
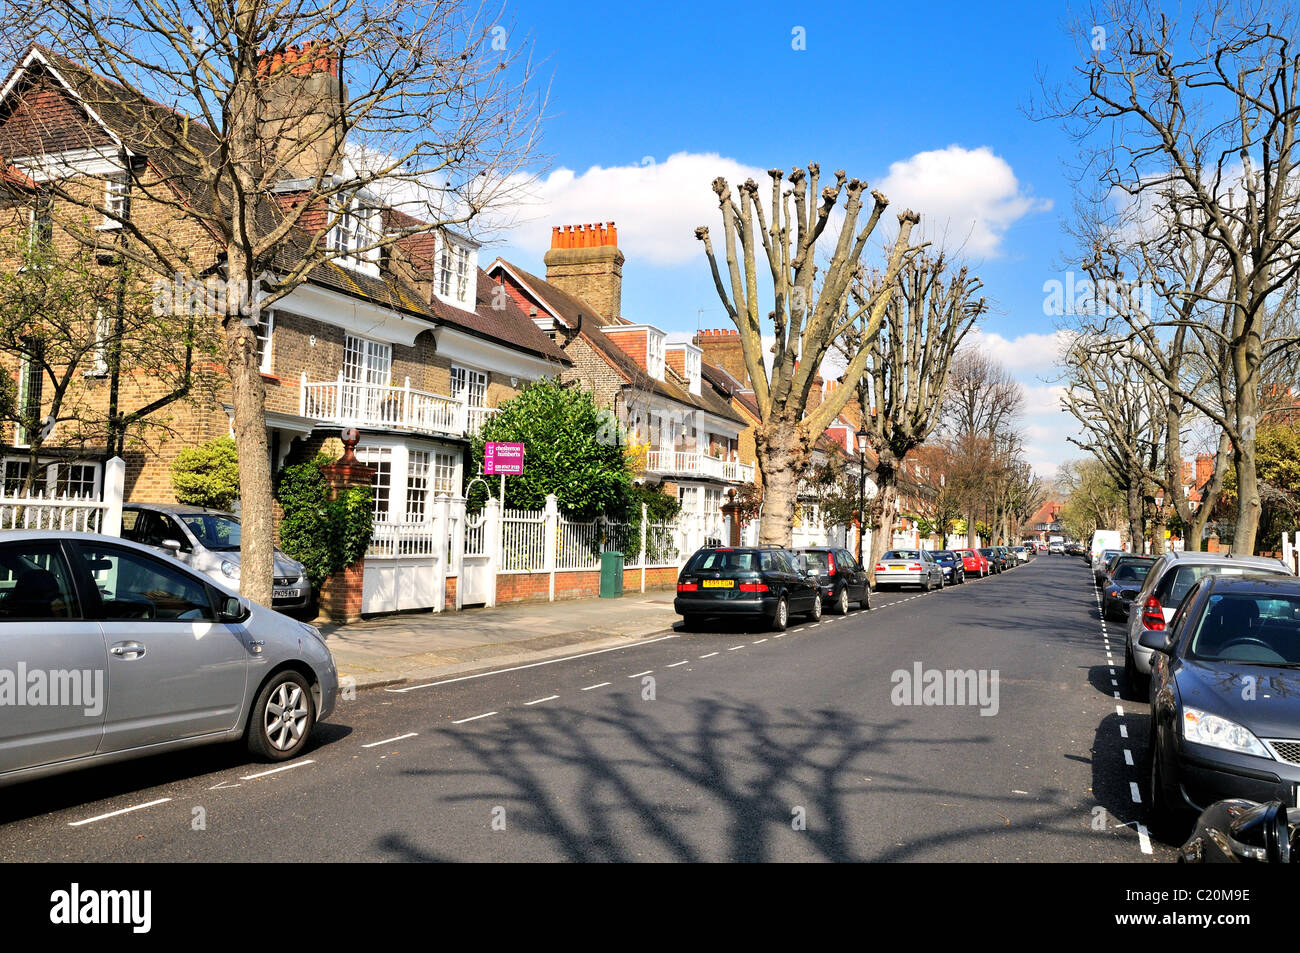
<point>127,650</point>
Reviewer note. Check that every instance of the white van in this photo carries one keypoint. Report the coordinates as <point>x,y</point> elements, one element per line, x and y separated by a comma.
<point>1102,540</point>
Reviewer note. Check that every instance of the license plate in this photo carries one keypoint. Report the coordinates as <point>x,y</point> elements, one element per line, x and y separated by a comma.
<point>284,593</point>
<point>892,566</point>
<point>719,583</point>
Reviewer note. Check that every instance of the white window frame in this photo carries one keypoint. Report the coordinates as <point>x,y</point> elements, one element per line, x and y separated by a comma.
<point>465,389</point>
<point>419,469</point>
<point>379,456</point>
<point>51,479</point>
<point>103,323</point>
<point>453,279</point>
<point>264,331</point>
<point>354,229</point>
<point>654,354</point>
<point>116,189</point>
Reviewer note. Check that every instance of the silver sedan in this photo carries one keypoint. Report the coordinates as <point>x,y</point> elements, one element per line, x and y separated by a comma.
<point>909,567</point>
<point>110,651</point>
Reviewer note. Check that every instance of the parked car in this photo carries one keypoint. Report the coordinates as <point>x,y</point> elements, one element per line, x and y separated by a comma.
<point>1056,548</point>
<point>842,579</point>
<point>1099,564</point>
<point>158,657</point>
<point>1103,540</point>
<point>1225,695</point>
<point>909,567</point>
<point>954,571</point>
<point>208,541</point>
<point>1021,553</point>
<point>974,562</point>
<point>1167,583</point>
<point>1123,580</point>
<point>1005,559</point>
<point>996,563</point>
<point>764,583</point>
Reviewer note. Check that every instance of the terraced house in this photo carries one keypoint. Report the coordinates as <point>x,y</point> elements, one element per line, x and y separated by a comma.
<point>685,436</point>
<point>406,343</point>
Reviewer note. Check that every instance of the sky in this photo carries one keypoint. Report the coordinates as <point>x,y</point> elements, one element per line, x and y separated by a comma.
<point>929,103</point>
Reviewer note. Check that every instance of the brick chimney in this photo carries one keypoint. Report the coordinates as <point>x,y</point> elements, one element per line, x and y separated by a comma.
<point>302,99</point>
<point>584,260</point>
<point>722,348</point>
<point>815,394</point>
<point>1204,468</point>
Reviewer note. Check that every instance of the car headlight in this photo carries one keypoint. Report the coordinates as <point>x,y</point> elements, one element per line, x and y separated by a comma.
<point>229,569</point>
<point>1206,729</point>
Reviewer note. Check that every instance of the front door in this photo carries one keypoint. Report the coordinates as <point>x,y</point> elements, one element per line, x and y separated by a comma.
<point>174,670</point>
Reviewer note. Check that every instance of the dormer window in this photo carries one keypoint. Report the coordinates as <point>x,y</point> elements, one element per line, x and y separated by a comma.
<point>654,354</point>
<point>353,238</point>
<point>115,189</point>
<point>454,269</point>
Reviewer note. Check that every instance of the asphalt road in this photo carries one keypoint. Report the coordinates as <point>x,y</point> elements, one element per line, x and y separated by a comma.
<point>730,745</point>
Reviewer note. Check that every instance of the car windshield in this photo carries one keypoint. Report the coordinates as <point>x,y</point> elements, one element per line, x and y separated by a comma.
<point>902,554</point>
<point>1263,629</point>
<point>1184,577</point>
<point>723,560</point>
<point>1132,572</point>
<point>215,532</point>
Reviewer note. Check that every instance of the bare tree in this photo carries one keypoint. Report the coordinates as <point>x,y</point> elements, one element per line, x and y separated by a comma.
<point>809,312</point>
<point>267,139</point>
<point>1198,120</point>
<point>908,362</point>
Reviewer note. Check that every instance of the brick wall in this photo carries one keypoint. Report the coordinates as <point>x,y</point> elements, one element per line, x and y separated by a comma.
<point>576,584</point>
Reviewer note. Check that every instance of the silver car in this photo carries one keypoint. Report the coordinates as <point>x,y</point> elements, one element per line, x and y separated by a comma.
<point>208,541</point>
<point>909,567</point>
<point>110,651</point>
<point>1162,591</point>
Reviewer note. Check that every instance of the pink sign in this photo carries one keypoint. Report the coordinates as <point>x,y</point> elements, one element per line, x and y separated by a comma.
<point>503,458</point>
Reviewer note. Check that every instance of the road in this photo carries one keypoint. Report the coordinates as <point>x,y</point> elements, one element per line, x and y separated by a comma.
<point>728,745</point>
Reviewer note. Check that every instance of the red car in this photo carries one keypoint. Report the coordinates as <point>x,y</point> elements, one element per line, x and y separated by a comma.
<point>974,563</point>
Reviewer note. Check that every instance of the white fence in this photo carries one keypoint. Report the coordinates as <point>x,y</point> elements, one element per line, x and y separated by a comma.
<point>80,514</point>
<point>1291,551</point>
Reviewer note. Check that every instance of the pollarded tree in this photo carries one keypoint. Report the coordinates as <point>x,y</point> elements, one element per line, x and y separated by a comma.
<point>809,311</point>
<point>257,145</point>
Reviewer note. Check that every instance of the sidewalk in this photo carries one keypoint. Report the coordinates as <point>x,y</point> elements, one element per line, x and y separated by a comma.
<point>422,645</point>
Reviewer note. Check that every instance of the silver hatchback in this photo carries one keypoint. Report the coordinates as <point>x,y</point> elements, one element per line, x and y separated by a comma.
<point>111,651</point>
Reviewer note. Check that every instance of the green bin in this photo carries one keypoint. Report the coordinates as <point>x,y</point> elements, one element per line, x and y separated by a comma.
<point>611,575</point>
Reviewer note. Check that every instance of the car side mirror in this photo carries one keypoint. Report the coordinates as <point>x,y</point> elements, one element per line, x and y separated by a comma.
<point>1155,639</point>
<point>173,545</point>
<point>233,609</point>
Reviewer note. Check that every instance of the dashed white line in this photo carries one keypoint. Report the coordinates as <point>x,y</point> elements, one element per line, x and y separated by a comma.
<point>1144,840</point>
<point>1123,731</point>
<point>710,655</point>
<point>538,701</point>
<point>1119,709</point>
<point>648,671</point>
<point>675,664</point>
<point>389,741</point>
<point>1128,757</point>
<point>286,767</point>
<point>1133,792</point>
<point>125,810</point>
<point>734,647</point>
<point>600,685</point>
<point>758,642</point>
<point>486,714</point>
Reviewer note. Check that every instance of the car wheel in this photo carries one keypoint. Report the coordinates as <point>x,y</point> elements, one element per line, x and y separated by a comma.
<point>942,583</point>
<point>1134,681</point>
<point>816,613</point>
<point>925,586</point>
<point>282,717</point>
<point>781,617</point>
<point>1166,818</point>
<point>866,599</point>
<point>842,603</point>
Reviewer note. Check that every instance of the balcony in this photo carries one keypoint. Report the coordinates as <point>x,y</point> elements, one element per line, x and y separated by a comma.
<point>389,408</point>
<point>688,463</point>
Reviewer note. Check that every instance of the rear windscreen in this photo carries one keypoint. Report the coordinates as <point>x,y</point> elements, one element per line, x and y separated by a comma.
<point>723,561</point>
<point>816,560</point>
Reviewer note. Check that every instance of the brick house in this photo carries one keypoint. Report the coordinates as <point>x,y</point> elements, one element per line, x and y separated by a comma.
<point>409,345</point>
<point>682,434</point>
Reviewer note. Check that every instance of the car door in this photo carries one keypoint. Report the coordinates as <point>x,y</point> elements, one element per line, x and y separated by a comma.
<point>174,669</point>
<point>53,660</point>
<point>854,577</point>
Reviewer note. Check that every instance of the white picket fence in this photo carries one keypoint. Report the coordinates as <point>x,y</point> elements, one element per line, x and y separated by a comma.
<point>74,513</point>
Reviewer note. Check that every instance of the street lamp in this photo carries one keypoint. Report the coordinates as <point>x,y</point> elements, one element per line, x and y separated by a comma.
<point>862,486</point>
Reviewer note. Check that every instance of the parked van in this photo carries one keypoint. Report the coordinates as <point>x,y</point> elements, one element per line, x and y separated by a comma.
<point>1102,540</point>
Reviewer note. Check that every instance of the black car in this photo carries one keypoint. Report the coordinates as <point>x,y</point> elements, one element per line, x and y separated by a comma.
<point>954,571</point>
<point>759,582</point>
<point>996,562</point>
<point>1225,696</point>
<point>1122,584</point>
<point>842,579</point>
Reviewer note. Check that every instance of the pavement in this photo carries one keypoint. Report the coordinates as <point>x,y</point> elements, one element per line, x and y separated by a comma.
<point>731,744</point>
<point>394,649</point>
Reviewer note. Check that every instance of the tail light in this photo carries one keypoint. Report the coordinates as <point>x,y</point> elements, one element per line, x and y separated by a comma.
<point>915,566</point>
<point>830,564</point>
<point>687,587</point>
<point>880,567</point>
<point>1153,614</point>
<point>753,587</point>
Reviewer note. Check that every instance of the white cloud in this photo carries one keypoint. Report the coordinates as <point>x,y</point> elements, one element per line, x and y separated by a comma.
<point>966,197</point>
<point>1034,354</point>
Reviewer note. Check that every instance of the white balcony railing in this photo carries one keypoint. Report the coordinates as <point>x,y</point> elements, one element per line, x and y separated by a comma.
<point>698,464</point>
<point>390,408</point>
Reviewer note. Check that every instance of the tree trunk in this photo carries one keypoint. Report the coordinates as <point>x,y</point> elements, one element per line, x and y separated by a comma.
<point>885,511</point>
<point>1135,534</point>
<point>255,513</point>
<point>1243,461</point>
<point>782,460</point>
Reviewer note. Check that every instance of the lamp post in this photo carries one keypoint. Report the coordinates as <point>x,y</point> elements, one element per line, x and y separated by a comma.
<point>862,486</point>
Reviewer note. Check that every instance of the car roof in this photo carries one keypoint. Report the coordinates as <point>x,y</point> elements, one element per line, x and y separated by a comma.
<point>1204,559</point>
<point>175,508</point>
<point>1272,583</point>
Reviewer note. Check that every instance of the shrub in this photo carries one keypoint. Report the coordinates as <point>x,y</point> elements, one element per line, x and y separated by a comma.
<point>324,535</point>
<point>207,475</point>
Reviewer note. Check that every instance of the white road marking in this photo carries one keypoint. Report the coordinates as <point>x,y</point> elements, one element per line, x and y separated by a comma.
<point>781,636</point>
<point>538,701</point>
<point>590,687</point>
<point>389,741</point>
<point>1119,709</point>
<point>1128,757</point>
<point>486,714</point>
<point>648,671</point>
<point>675,664</point>
<point>222,784</point>
<point>759,642</point>
<point>1143,839</point>
<point>1117,694</point>
<point>125,810</point>
<point>710,655</point>
<point>1133,792</point>
<point>1113,682</point>
<point>734,647</point>
<point>286,767</point>
<point>519,668</point>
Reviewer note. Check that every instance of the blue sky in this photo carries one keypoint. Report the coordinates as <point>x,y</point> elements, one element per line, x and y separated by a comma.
<point>650,101</point>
